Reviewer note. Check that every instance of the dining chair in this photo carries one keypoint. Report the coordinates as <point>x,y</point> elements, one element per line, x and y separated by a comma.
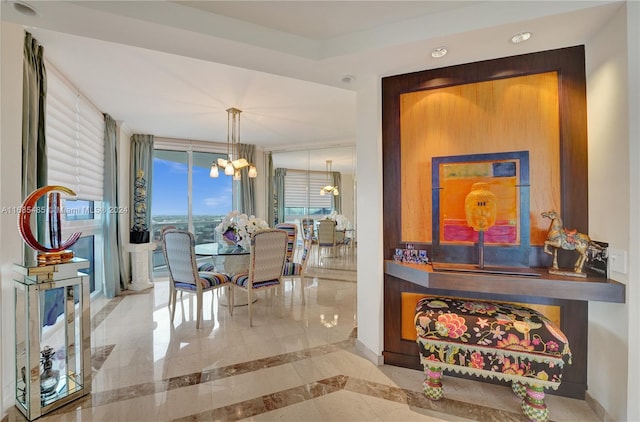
<point>292,234</point>
<point>266,263</point>
<point>298,269</point>
<point>179,254</point>
<point>308,228</point>
<point>326,236</point>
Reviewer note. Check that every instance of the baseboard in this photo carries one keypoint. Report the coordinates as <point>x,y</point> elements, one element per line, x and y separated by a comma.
<point>597,408</point>
<point>370,355</point>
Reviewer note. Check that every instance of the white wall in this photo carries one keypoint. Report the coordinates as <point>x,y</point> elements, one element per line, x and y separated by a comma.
<point>609,205</point>
<point>10,171</point>
<point>369,218</point>
<point>633,286</point>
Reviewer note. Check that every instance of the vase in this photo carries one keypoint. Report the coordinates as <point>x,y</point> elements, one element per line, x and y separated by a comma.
<point>230,237</point>
<point>49,378</point>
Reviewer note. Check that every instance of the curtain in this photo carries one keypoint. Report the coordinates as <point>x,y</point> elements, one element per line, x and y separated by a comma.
<point>34,148</point>
<point>336,180</point>
<point>114,278</point>
<point>246,196</point>
<point>141,160</point>
<point>272,201</point>
<point>279,184</point>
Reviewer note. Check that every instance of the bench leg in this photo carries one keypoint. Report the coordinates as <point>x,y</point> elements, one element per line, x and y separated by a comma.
<point>533,405</point>
<point>432,386</point>
<point>519,389</point>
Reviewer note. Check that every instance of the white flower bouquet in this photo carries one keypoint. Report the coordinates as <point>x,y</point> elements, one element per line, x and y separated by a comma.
<point>342,222</point>
<point>237,228</point>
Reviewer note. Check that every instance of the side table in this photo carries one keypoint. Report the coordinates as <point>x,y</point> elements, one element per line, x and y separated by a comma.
<point>140,279</point>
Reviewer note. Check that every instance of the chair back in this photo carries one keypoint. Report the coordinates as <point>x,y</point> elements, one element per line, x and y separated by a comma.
<point>179,253</point>
<point>292,234</point>
<point>165,228</point>
<point>326,233</point>
<point>307,228</point>
<point>306,251</point>
<point>268,256</point>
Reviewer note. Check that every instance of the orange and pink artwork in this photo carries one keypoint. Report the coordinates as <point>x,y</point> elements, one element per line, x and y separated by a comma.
<point>456,180</point>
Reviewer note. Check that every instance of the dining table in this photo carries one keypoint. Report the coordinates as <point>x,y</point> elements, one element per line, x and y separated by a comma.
<point>229,260</point>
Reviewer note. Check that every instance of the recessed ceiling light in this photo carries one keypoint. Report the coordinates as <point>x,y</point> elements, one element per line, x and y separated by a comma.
<point>347,79</point>
<point>520,37</point>
<point>24,8</point>
<point>439,52</point>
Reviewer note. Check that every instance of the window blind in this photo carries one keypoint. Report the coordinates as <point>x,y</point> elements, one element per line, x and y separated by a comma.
<point>302,190</point>
<point>75,140</point>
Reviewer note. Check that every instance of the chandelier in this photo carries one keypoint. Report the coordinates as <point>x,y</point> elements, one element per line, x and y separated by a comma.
<point>329,188</point>
<point>232,167</point>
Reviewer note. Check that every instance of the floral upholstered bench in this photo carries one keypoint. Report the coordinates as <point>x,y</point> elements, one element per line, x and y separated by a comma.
<point>488,339</point>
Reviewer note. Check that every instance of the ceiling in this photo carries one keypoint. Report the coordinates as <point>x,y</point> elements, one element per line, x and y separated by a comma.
<point>171,69</point>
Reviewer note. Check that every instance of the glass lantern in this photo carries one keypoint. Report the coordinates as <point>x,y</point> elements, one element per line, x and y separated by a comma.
<point>53,336</point>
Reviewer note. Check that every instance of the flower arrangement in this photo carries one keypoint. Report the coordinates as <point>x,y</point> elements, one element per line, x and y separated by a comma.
<point>342,222</point>
<point>237,228</point>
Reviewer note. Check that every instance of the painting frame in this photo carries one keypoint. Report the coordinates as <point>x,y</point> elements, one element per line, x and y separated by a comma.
<point>509,253</point>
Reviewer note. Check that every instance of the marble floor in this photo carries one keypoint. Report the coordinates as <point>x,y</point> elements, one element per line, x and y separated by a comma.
<point>298,365</point>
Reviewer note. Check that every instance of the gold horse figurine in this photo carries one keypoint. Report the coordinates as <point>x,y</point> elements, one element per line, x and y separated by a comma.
<point>559,237</point>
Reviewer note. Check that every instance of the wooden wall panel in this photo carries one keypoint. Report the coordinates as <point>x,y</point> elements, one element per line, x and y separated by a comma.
<point>504,115</point>
<point>568,65</point>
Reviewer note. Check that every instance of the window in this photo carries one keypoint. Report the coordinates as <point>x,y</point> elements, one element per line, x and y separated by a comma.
<point>75,159</point>
<point>78,210</point>
<point>302,195</point>
<point>185,196</point>
<point>75,139</point>
<point>84,247</point>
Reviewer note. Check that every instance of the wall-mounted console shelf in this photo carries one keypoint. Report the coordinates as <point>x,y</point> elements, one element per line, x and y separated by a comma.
<point>542,285</point>
<point>570,296</point>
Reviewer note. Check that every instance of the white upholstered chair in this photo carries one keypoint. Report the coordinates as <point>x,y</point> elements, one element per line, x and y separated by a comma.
<point>326,237</point>
<point>297,270</point>
<point>179,253</point>
<point>266,263</point>
<point>292,233</point>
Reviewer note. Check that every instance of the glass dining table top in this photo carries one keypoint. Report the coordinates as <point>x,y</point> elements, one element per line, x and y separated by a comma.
<point>230,260</point>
